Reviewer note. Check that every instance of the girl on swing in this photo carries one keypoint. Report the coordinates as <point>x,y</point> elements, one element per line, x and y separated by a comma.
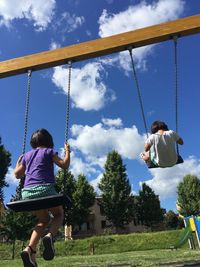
<point>160,146</point>
<point>38,167</point>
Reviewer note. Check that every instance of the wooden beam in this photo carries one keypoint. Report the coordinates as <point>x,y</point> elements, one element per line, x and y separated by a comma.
<point>101,47</point>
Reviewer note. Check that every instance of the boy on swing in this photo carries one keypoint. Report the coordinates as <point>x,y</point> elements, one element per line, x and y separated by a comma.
<point>160,146</point>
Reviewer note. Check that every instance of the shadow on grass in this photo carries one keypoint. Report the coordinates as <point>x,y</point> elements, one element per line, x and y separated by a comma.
<point>181,264</point>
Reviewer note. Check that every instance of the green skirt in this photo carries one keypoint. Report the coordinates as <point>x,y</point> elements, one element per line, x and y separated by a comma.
<point>38,191</point>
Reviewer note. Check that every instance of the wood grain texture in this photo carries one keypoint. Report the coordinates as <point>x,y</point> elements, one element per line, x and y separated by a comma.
<point>101,47</point>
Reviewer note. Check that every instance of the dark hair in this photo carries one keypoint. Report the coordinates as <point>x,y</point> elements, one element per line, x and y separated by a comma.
<point>41,137</point>
<point>158,125</point>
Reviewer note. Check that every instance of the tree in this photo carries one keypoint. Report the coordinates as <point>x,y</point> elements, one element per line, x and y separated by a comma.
<point>117,202</point>
<point>83,199</point>
<point>148,207</point>
<point>70,187</point>
<point>189,195</point>
<point>172,220</point>
<point>5,159</point>
<point>16,226</point>
<point>82,195</point>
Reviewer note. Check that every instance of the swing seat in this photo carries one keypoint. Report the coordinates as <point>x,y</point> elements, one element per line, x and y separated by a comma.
<point>40,203</point>
<point>151,165</point>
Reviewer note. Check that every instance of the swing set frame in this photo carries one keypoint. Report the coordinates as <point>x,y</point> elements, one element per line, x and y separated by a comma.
<point>101,47</point>
<point>87,50</point>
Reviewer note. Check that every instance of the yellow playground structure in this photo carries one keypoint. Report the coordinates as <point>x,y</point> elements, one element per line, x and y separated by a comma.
<point>192,225</point>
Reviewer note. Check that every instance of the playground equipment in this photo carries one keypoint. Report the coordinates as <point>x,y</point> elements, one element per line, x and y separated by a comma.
<point>87,50</point>
<point>16,203</point>
<point>192,225</point>
<point>101,47</point>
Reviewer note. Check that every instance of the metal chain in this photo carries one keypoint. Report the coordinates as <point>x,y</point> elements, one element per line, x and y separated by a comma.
<point>64,191</point>
<point>138,91</point>
<point>67,119</point>
<point>21,182</point>
<point>68,101</point>
<point>176,81</point>
<point>176,85</point>
<point>26,111</point>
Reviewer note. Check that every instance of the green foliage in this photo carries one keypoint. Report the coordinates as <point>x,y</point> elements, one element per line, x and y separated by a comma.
<point>16,226</point>
<point>82,195</point>
<point>189,195</point>
<point>172,220</point>
<point>83,198</point>
<point>70,185</point>
<point>5,159</point>
<point>117,202</point>
<point>148,207</point>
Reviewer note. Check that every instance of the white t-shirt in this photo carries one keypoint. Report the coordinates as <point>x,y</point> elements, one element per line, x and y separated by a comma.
<point>163,146</point>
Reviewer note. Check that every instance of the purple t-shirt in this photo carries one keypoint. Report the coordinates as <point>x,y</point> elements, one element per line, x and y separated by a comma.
<point>39,166</point>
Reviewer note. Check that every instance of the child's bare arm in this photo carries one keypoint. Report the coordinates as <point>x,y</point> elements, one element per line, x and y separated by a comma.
<point>19,169</point>
<point>63,163</point>
<point>147,147</point>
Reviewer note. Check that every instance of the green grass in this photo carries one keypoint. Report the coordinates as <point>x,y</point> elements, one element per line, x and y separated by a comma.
<point>136,258</point>
<point>106,244</point>
<point>144,249</point>
<point>119,243</point>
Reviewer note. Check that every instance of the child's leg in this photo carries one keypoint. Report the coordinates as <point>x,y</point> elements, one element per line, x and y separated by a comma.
<point>28,254</point>
<point>149,159</point>
<point>43,221</point>
<point>56,222</point>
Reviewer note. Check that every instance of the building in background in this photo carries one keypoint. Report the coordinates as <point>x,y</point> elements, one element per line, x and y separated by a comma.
<point>97,224</point>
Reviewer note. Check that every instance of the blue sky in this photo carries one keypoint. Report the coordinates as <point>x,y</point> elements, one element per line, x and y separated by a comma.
<point>105,112</point>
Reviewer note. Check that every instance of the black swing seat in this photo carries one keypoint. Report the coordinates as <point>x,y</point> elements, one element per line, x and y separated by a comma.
<point>40,203</point>
<point>151,165</point>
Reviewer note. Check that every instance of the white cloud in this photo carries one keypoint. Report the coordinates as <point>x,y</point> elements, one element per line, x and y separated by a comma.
<point>32,10</point>
<point>88,92</point>
<point>123,60</point>
<point>80,166</point>
<point>10,178</point>
<point>165,181</point>
<point>54,45</point>
<point>93,143</point>
<point>68,22</point>
<point>96,141</point>
<point>112,122</point>
<point>138,16</point>
<point>95,183</point>
<point>88,33</point>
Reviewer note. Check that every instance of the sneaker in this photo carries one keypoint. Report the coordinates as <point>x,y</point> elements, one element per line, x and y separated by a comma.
<point>26,258</point>
<point>48,253</point>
